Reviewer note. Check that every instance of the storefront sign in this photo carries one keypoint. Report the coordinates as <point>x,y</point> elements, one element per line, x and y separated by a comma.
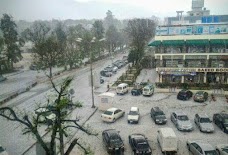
<point>212,70</point>
<point>190,70</point>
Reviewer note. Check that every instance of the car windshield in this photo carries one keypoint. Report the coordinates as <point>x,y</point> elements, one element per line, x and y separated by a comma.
<point>119,88</point>
<point>183,118</point>
<point>108,112</point>
<point>133,113</point>
<point>212,152</point>
<point>205,120</point>
<point>145,89</point>
<point>1,149</point>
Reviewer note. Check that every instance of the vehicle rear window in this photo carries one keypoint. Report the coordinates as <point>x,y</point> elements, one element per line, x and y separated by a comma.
<point>108,112</point>
<point>205,120</point>
<point>142,144</point>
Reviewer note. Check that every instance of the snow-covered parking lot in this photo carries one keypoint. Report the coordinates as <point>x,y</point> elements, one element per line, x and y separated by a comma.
<point>168,103</point>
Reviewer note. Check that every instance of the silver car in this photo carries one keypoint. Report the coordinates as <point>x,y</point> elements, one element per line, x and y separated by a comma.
<point>181,121</point>
<point>222,149</point>
<point>201,148</point>
<point>204,123</point>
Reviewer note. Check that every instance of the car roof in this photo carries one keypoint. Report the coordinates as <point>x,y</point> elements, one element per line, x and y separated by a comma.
<point>205,146</point>
<point>134,108</point>
<point>156,109</point>
<point>137,136</point>
<point>167,132</point>
<point>224,115</point>
<point>122,84</point>
<point>178,113</point>
<point>112,109</point>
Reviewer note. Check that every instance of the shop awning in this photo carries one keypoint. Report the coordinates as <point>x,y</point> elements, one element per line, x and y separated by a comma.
<point>173,42</point>
<point>219,41</point>
<point>155,43</point>
<point>197,42</point>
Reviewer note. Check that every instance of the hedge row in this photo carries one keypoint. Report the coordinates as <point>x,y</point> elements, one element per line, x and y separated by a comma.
<point>196,86</point>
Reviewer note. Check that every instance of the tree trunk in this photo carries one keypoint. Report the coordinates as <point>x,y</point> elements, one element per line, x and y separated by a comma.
<point>50,71</point>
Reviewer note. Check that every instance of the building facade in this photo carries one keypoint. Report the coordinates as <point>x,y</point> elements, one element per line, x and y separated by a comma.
<point>192,53</point>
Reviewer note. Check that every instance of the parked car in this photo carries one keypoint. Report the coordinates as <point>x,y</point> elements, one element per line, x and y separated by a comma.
<point>204,123</point>
<point>136,90</point>
<point>148,90</point>
<point>45,115</point>
<point>112,114</point>
<point>221,120</point>
<point>139,144</point>
<point>133,115</point>
<point>112,140</point>
<point>158,115</point>
<point>101,80</point>
<point>181,121</point>
<point>33,67</point>
<point>167,140</point>
<point>110,68</point>
<point>184,94</point>
<point>201,148</point>
<point>222,149</point>
<point>200,96</point>
<point>122,89</point>
<point>105,73</point>
<point>2,151</point>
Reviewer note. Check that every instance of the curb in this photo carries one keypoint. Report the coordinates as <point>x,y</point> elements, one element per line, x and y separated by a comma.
<point>15,94</point>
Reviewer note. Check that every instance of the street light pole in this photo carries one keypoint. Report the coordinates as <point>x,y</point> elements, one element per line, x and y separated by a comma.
<point>91,73</point>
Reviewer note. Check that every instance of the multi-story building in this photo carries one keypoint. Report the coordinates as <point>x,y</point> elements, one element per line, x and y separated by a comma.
<point>198,14</point>
<point>192,53</point>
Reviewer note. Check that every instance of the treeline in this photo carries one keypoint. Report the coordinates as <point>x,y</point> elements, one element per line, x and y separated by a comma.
<point>67,43</point>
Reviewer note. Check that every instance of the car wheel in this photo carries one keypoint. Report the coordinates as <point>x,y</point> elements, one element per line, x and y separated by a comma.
<point>114,119</point>
<point>188,147</point>
<point>133,94</point>
<point>123,113</point>
<point>218,151</point>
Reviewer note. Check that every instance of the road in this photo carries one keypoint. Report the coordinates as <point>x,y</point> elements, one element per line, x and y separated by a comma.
<point>11,132</point>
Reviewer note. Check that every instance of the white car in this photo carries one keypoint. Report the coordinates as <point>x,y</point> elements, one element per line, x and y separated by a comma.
<point>222,149</point>
<point>133,115</point>
<point>45,114</point>
<point>204,123</point>
<point>201,148</point>
<point>181,121</point>
<point>3,151</point>
<point>112,114</point>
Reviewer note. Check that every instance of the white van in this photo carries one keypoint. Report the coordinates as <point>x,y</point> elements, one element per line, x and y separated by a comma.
<point>167,140</point>
<point>122,89</point>
<point>148,90</point>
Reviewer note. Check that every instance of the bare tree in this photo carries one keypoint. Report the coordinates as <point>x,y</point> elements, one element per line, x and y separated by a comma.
<point>58,125</point>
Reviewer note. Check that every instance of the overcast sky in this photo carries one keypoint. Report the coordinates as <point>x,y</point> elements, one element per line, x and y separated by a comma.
<point>90,9</point>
